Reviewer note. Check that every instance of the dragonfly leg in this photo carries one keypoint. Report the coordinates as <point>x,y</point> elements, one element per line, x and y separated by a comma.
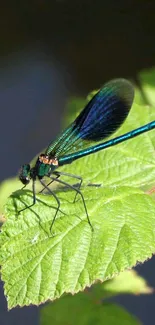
<point>56,198</point>
<point>151,191</point>
<point>49,183</point>
<point>34,198</point>
<point>78,192</point>
<point>72,176</point>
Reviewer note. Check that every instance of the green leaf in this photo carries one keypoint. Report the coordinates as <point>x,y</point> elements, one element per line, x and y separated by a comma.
<point>139,97</point>
<point>147,79</point>
<point>127,282</point>
<point>74,105</point>
<point>6,188</point>
<point>130,163</point>
<point>38,265</point>
<point>82,310</point>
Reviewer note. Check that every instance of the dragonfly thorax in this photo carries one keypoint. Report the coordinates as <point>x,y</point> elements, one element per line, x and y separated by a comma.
<point>48,160</point>
<point>45,165</point>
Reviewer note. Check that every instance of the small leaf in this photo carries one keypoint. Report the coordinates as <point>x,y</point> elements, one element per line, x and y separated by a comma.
<point>81,309</point>
<point>127,282</point>
<point>147,79</point>
<point>74,105</point>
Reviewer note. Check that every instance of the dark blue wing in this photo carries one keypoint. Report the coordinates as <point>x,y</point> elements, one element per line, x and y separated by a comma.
<point>99,119</point>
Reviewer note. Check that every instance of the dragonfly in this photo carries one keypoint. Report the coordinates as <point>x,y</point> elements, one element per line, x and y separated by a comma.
<point>99,119</point>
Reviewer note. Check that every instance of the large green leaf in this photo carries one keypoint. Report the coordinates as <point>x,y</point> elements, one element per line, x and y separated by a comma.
<point>38,265</point>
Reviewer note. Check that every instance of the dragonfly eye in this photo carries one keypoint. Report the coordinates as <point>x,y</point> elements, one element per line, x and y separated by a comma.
<point>24,174</point>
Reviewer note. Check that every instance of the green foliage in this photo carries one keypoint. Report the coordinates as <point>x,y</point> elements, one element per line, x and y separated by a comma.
<point>38,265</point>
<point>6,188</point>
<point>147,79</point>
<point>90,307</point>
<point>83,310</point>
<point>127,282</point>
<point>130,163</point>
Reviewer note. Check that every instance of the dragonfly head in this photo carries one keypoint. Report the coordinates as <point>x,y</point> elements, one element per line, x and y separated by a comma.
<point>24,174</point>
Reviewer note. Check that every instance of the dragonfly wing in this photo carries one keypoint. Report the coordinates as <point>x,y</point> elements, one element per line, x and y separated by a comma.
<point>98,120</point>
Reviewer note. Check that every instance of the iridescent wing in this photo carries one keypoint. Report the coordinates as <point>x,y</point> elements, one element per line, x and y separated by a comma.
<point>105,112</point>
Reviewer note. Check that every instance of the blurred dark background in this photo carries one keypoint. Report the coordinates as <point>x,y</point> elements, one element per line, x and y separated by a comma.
<point>50,50</point>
